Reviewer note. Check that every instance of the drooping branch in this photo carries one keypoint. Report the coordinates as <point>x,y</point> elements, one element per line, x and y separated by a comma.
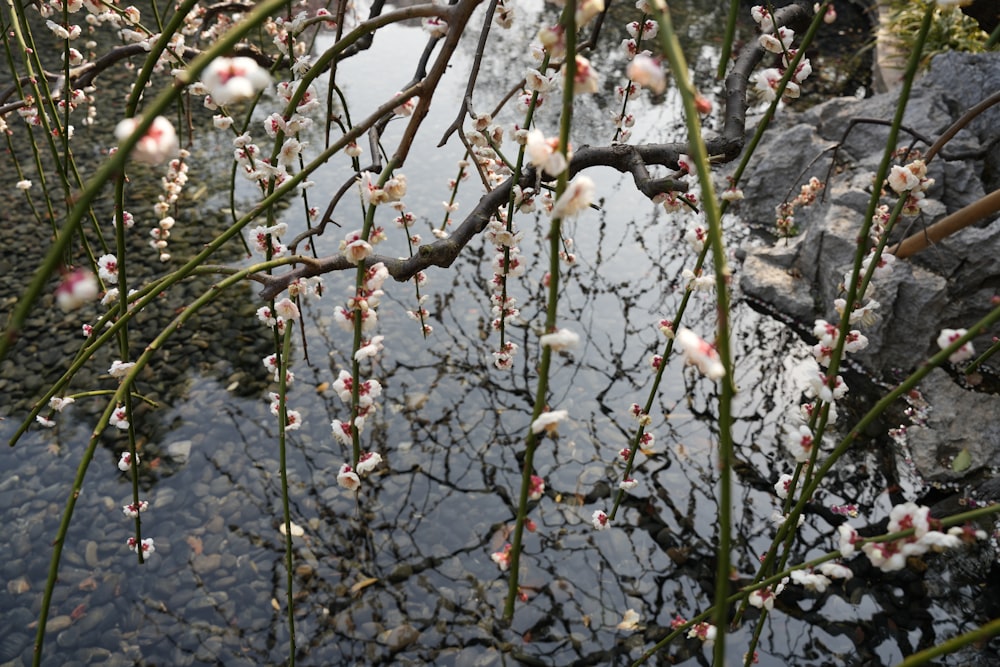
<point>625,158</point>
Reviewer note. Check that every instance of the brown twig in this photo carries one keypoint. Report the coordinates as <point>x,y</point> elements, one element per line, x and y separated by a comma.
<point>947,226</point>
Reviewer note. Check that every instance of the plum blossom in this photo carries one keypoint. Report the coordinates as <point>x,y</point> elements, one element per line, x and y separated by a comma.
<point>647,72</point>
<point>535,81</point>
<point>107,268</point>
<point>779,41</point>
<point>887,556</point>
<point>229,80</point>
<point>949,336</point>
<point>58,403</point>
<point>836,571</point>
<point>347,478</point>
<point>502,557</point>
<point>910,515</point>
<point>630,621</point>
<point>847,538</point>
<point>812,581</point>
<point>355,248</point>
<point>158,145</point>
<point>704,631</point>
<point>600,520</point>
<point>586,10</point>
<point>544,153</point>
<point>370,349</point>
<point>368,461</point>
<point>147,545</point>
<point>77,288</point>
<point>125,462</point>
<point>700,353</point>
<point>120,369</point>
<point>558,341</point>
<point>549,422</point>
<point>585,78</point>
<point>536,488</point>
<point>763,18</point>
<point>435,26</point>
<point>800,443</point>
<point>287,309</point>
<point>782,486</point>
<point>902,179</point>
<point>649,29</point>
<point>119,419</point>
<point>578,196</point>
<point>132,510</point>
<point>763,598</point>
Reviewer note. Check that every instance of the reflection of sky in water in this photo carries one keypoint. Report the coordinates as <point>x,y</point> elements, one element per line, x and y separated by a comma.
<point>451,429</point>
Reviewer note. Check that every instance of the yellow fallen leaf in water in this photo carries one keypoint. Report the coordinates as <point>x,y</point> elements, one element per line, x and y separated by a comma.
<point>364,583</point>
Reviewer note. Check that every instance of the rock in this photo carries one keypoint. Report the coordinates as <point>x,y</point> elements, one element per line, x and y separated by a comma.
<point>179,451</point>
<point>958,420</point>
<point>949,285</point>
<point>399,637</point>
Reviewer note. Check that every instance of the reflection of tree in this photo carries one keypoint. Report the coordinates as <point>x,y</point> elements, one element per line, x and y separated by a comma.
<point>451,432</point>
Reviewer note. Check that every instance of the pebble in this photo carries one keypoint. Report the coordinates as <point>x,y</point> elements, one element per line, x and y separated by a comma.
<point>90,554</point>
<point>206,563</point>
<point>57,623</point>
<point>180,450</point>
<point>399,637</point>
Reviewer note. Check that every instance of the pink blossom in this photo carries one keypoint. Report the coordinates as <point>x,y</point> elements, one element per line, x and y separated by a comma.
<point>536,487</point>
<point>549,422</point>
<point>600,520</point>
<point>287,309</point>
<point>230,80</point>
<point>77,288</point>
<point>158,145</point>
<point>125,462</point>
<point>502,557</point>
<point>558,341</point>
<point>544,153</point>
<point>147,545</point>
<point>585,78</point>
<point>578,196</point>
<point>368,461</point>
<point>948,337</point>
<point>647,72</point>
<point>701,354</point>
<point>347,478</point>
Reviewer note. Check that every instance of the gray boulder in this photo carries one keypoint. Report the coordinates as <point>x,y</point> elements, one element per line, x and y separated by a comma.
<point>948,285</point>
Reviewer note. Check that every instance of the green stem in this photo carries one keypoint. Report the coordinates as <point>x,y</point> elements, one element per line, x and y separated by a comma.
<point>568,21</point>
<point>283,465</point>
<point>713,217</point>
<point>727,40</point>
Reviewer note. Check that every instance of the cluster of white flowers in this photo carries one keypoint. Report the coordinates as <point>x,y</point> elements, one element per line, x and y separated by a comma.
<point>643,70</point>
<point>891,555</point>
<point>777,40</point>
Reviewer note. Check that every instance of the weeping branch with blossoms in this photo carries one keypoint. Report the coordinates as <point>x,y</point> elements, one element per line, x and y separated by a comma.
<point>229,72</point>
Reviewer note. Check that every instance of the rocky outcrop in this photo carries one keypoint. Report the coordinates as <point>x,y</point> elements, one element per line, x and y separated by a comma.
<point>947,285</point>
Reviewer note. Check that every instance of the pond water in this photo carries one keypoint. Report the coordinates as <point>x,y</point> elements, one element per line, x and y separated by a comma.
<point>402,574</point>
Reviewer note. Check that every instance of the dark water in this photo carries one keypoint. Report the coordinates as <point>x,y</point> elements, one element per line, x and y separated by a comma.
<point>402,574</point>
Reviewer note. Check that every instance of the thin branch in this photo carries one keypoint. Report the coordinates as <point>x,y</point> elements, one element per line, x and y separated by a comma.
<point>477,61</point>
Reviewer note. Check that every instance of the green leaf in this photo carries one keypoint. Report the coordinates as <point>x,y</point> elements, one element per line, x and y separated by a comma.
<point>962,461</point>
